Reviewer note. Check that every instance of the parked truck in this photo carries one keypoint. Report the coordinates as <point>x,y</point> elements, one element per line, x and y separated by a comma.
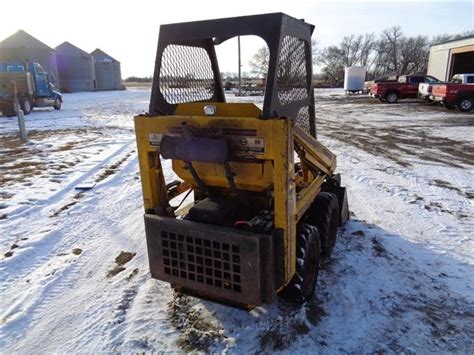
<point>34,88</point>
<point>404,88</point>
<point>425,89</point>
<point>458,93</point>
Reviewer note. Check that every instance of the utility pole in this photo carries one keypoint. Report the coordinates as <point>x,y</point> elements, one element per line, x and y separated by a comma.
<point>240,76</point>
<point>19,113</point>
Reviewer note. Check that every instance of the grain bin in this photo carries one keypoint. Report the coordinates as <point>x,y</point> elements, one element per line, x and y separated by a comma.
<point>23,47</point>
<point>76,69</point>
<point>107,71</point>
<point>354,79</point>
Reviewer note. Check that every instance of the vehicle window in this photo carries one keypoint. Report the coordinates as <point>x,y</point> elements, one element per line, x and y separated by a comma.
<point>470,79</point>
<point>402,79</point>
<point>430,79</point>
<point>417,79</point>
<point>15,68</point>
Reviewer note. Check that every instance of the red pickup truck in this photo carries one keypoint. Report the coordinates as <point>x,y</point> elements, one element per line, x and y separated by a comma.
<point>453,95</point>
<point>405,87</point>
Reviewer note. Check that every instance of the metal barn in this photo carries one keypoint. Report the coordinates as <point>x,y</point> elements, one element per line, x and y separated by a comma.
<point>452,57</point>
<point>107,71</point>
<point>22,47</point>
<point>76,69</point>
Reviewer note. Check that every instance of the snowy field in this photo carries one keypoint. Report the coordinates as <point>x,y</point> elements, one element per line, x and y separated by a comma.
<point>73,266</point>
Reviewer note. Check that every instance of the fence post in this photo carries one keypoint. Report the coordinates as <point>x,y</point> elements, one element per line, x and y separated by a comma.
<point>19,113</point>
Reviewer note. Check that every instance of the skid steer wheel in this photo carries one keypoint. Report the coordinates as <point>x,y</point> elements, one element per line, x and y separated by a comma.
<point>324,214</point>
<point>301,286</point>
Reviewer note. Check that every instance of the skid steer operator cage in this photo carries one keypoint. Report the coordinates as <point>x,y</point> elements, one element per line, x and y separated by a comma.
<point>186,68</point>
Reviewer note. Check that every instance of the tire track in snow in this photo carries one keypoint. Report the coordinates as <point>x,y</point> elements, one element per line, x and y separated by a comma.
<point>70,187</point>
<point>94,315</point>
<point>410,189</point>
<point>388,296</point>
<point>36,259</point>
<point>44,284</point>
<point>37,250</point>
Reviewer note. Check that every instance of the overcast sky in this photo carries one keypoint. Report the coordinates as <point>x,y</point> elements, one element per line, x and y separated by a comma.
<point>128,29</point>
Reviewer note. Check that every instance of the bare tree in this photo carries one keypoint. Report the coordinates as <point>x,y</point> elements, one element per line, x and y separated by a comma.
<point>314,50</point>
<point>259,62</point>
<point>396,53</point>
<point>414,53</point>
<point>391,53</point>
<point>353,50</point>
<point>366,50</point>
<point>449,37</point>
<point>333,69</point>
<point>388,50</point>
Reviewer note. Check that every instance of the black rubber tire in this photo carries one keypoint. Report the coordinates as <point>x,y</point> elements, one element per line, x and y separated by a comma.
<point>391,97</point>
<point>324,215</point>
<point>26,106</point>
<point>465,104</point>
<point>298,167</point>
<point>57,104</point>
<point>308,248</point>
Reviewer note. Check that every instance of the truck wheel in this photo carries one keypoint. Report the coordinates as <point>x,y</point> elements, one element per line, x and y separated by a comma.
<point>26,106</point>
<point>324,215</point>
<point>391,97</point>
<point>57,104</point>
<point>303,283</point>
<point>465,104</point>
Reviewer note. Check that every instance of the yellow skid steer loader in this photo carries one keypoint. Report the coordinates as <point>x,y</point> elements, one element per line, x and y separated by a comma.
<point>267,203</point>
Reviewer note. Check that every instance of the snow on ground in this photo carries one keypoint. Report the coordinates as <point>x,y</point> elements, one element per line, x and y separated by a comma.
<point>74,274</point>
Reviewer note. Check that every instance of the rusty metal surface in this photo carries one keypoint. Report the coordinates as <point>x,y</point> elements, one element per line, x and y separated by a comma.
<point>221,263</point>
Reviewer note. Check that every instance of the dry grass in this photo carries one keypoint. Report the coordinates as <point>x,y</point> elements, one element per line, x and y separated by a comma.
<point>133,84</point>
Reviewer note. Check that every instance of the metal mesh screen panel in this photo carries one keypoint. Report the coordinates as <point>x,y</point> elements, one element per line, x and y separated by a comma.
<point>303,119</point>
<point>200,260</point>
<point>186,74</point>
<point>292,82</point>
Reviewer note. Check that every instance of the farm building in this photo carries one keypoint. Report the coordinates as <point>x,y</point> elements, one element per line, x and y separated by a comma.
<point>22,47</point>
<point>76,69</point>
<point>451,57</point>
<point>107,71</point>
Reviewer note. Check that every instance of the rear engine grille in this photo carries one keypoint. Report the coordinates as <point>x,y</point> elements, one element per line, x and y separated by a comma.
<point>213,261</point>
<point>208,262</point>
